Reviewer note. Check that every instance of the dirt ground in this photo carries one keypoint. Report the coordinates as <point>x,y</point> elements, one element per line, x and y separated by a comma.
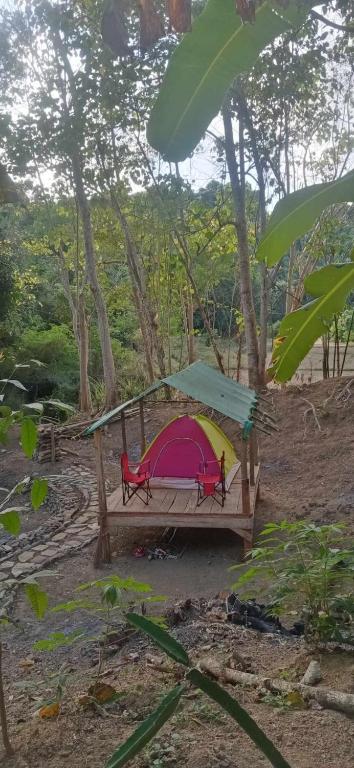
<point>307,472</point>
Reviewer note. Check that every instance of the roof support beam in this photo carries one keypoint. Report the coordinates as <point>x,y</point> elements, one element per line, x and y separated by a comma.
<point>103,549</point>
<point>252,457</point>
<point>142,427</point>
<point>245,486</point>
<point>123,431</point>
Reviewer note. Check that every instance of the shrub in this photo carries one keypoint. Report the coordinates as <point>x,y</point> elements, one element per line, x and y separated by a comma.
<point>56,348</point>
<point>306,568</point>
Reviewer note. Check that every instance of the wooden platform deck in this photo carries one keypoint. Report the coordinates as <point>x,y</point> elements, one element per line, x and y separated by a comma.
<point>175,508</point>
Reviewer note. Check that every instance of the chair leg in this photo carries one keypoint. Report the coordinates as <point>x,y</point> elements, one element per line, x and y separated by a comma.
<point>199,496</point>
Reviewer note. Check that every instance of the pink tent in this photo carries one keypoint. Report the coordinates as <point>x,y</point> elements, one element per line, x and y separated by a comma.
<point>179,449</point>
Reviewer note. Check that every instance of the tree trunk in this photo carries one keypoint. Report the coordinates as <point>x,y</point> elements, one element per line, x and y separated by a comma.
<point>326,697</point>
<point>144,330</point>
<point>85,393</point>
<point>84,210</point>
<point>243,253</point>
<point>79,321</point>
<point>202,311</point>
<point>3,719</point>
<point>190,326</point>
<point>146,314</point>
<point>100,304</point>
<point>264,293</point>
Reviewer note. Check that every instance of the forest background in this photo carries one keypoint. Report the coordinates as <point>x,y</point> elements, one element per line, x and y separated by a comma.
<point>117,267</point>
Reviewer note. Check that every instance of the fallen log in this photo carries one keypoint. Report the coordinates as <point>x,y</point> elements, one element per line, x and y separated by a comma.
<point>327,698</point>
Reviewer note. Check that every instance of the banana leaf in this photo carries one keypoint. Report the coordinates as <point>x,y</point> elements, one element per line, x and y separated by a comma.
<point>300,329</point>
<point>163,639</point>
<point>217,49</point>
<point>297,213</point>
<point>238,713</point>
<point>147,730</point>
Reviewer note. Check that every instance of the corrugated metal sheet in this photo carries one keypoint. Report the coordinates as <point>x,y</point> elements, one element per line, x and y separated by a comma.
<point>202,383</point>
<point>215,390</point>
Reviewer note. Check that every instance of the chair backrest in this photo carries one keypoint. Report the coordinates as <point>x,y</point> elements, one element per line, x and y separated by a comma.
<point>124,463</point>
<point>209,466</point>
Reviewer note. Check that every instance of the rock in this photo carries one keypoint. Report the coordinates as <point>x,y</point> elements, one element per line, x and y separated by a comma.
<point>313,674</point>
<point>3,576</point>
<point>24,557</point>
<point>21,569</point>
<point>315,705</point>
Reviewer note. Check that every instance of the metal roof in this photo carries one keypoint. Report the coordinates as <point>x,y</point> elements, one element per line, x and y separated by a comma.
<point>206,385</point>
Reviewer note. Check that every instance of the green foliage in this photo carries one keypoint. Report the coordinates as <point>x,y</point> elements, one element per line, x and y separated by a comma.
<point>299,330</point>
<point>218,48</point>
<point>59,374</point>
<point>147,730</point>
<point>297,213</point>
<point>9,516</point>
<point>53,684</point>
<point>58,640</point>
<point>6,281</point>
<point>39,491</point>
<point>306,568</point>
<point>108,601</point>
<point>29,437</point>
<point>38,599</point>
<point>10,520</point>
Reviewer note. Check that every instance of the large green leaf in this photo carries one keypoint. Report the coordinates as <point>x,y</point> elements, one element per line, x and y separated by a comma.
<point>37,407</point>
<point>147,730</point>
<point>60,405</point>
<point>10,520</point>
<point>297,213</point>
<point>58,640</point>
<point>14,383</point>
<point>37,598</point>
<point>217,49</point>
<point>29,436</point>
<point>128,584</point>
<point>162,638</point>
<point>39,491</point>
<point>233,708</point>
<point>300,329</point>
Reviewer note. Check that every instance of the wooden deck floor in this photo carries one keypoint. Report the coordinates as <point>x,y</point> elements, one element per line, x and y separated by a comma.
<point>171,507</point>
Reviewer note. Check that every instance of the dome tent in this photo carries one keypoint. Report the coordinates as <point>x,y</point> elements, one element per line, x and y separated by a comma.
<point>182,446</point>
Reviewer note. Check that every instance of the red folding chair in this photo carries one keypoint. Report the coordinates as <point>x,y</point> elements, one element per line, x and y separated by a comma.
<point>135,481</point>
<point>211,481</point>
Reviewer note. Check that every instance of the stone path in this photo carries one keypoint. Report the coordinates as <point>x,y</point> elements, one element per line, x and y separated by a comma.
<point>75,527</point>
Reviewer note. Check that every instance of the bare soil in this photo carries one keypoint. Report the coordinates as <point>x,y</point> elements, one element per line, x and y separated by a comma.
<point>306,473</point>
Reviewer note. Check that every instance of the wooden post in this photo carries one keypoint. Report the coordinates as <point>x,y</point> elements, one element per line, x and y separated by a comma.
<point>103,549</point>
<point>52,444</point>
<point>256,449</point>
<point>252,460</point>
<point>142,427</point>
<point>245,489</point>
<point>124,433</point>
